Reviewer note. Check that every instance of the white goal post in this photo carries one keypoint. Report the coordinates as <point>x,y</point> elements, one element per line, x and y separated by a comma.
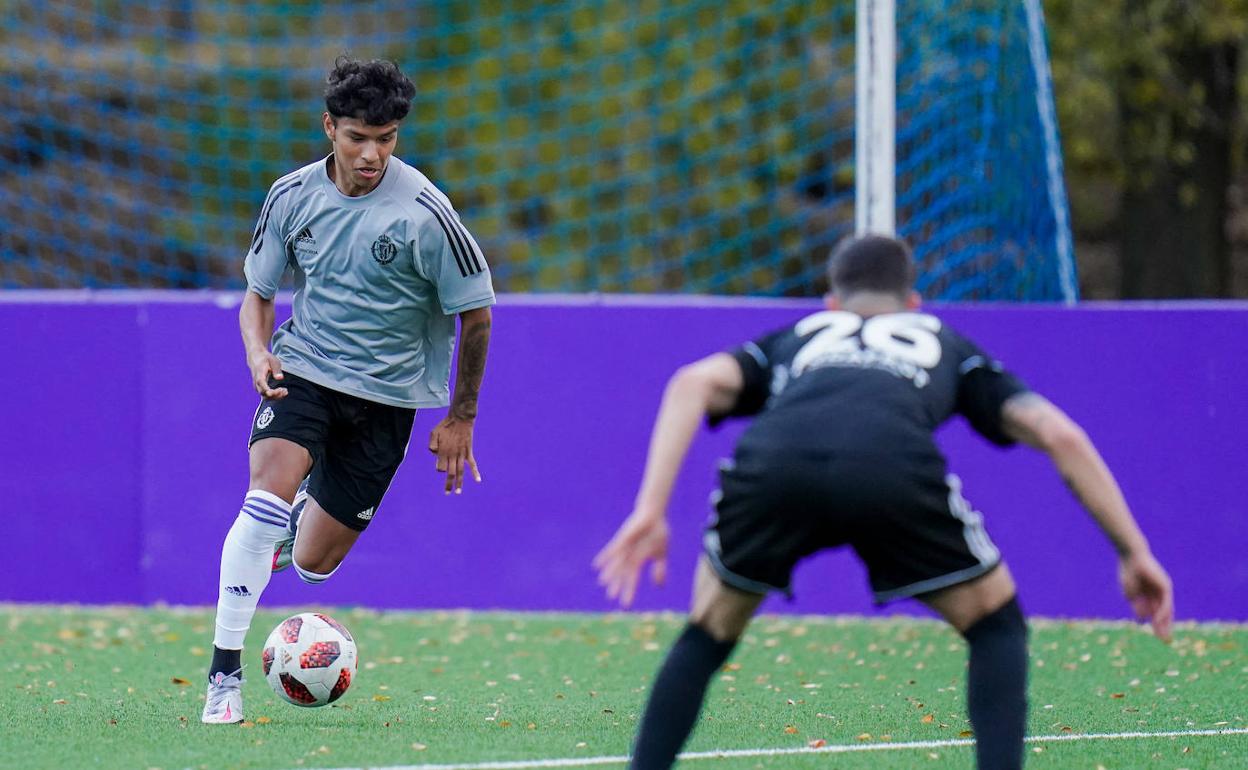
<point>875,86</point>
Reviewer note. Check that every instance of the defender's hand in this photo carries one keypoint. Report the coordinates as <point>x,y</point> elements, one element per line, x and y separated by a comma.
<point>641,538</point>
<point>266,367</point>
<point>451,441</point>
<point>1148,588</point>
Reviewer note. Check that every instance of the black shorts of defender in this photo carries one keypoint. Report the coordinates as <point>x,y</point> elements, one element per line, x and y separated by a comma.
<point>356,444</point>
<point>907,521</point>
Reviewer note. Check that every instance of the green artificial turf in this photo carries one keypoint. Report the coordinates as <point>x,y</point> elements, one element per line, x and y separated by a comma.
<point>123,688</point>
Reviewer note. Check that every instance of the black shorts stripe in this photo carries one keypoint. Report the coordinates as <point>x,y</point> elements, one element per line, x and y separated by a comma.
<point>258,240</point>
<point>463,270</point>
<point>454,232</point>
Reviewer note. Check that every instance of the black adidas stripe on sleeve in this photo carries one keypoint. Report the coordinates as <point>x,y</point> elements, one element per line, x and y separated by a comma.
<point>461,245</point>
<point>258,239</point>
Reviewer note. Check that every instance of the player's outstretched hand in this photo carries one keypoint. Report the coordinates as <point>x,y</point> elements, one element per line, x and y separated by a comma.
<point>641,538</point>
<point>451,441</point>
<point>1148,588</point>
<point>266,374</point>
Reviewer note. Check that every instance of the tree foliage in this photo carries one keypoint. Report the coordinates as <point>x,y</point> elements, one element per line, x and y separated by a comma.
<point>1128,100</point>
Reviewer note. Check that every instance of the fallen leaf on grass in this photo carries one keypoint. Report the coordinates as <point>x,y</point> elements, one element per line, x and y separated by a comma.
<point>965,734</point>
<point>790,729</point>
<point>60,701</point>
<point>381,698</point>
<point>263,720</point>
<point>817,743</point>
<point>863,737</point>
<point>928,719</point>
<point>1117,695</point>
<point>419,746</point>
<point>180,682</point>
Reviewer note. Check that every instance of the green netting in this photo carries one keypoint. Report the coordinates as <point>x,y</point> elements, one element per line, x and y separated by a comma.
<point>693,145</point>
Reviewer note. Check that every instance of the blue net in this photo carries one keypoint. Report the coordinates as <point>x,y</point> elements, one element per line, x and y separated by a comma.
<point>691,146</point>
<point>979,180</point>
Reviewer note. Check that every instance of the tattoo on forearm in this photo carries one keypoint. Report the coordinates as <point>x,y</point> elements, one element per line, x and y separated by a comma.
<point>474,344</point>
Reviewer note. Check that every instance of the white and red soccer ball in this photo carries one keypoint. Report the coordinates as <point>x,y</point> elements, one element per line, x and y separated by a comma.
<point>310,659</point>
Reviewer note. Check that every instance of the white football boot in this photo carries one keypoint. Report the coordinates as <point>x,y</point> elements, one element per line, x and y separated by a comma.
<point>223,704</point>
<point>284,549</point>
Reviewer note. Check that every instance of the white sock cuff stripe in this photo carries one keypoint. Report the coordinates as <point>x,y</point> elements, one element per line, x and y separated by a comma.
<point>308,576</point>
<point>269,497</point>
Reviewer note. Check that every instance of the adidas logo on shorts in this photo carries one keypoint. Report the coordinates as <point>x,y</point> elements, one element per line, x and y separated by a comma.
<point>366,514</point>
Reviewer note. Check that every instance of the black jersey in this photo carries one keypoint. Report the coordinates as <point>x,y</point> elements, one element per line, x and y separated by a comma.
<point>879,386</point>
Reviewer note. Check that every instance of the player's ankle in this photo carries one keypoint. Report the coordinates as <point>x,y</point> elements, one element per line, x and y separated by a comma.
<point>224,661</point>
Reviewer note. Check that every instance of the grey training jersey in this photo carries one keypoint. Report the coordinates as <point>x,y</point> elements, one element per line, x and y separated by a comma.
<point>378,279</point>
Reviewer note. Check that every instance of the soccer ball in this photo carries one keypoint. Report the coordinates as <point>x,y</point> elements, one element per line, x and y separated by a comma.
<point>309,659</point>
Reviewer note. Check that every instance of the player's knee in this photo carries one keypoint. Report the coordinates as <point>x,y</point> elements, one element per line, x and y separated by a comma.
<point>278,466</point>
<point>1006,623</point>
<point>719,625</point>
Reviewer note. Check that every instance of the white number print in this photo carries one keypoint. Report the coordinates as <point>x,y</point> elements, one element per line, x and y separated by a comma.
<point>904,343</point>
<point>908,336</point>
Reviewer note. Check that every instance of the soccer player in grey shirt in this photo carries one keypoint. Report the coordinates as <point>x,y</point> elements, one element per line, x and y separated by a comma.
<point>382,266</point>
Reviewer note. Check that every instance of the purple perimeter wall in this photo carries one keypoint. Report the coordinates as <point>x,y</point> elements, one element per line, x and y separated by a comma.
<point>124,417</point>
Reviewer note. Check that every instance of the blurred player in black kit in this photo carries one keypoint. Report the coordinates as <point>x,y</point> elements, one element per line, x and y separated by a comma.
<point>840,452</point>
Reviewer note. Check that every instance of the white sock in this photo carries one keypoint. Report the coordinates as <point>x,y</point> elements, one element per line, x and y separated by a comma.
<point>247,564</point>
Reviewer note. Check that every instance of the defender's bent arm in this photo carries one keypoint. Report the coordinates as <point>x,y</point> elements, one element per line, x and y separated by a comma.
<point>451,440</point>
<point>708,387</point>
<point>1033,420</point>
<point>255,321</point>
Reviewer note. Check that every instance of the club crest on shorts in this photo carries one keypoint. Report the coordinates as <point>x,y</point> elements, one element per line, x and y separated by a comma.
<point>384,250</point>
<point>265,418</point>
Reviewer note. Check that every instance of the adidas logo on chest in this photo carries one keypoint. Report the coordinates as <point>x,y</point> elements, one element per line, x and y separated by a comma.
<point>305,242</point>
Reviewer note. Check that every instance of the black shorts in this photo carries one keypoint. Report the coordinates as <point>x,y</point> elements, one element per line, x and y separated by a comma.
<point>356,444</point>
<point>907,521</point>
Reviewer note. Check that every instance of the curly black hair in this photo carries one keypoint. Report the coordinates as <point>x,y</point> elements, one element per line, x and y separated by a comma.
<point>375,92</point>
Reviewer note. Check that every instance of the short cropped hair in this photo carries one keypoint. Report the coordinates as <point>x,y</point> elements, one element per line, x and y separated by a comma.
<point>873,263</point>
<point>375,92</point>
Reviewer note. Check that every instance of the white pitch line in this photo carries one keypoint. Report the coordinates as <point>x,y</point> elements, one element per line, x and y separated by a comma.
<point>529,764</point>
